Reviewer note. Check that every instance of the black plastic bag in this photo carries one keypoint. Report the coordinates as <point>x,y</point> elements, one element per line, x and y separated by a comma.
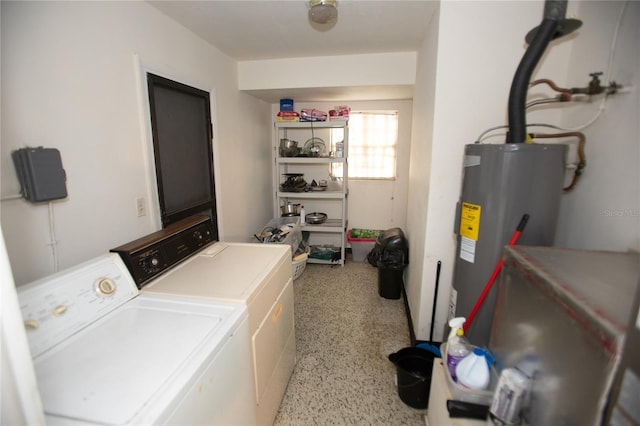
<point>390,251</point>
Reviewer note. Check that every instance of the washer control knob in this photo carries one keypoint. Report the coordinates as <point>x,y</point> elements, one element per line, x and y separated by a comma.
<point>31,325</point>
<point>105,287</point>
<point>60,310</point>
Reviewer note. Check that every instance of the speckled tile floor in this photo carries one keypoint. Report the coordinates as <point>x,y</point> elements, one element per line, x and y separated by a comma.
<point>344,334</point>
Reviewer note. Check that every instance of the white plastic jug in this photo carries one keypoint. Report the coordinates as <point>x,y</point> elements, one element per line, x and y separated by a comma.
<point>473,371</point>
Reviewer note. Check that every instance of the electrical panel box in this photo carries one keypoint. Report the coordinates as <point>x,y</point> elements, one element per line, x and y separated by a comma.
<point>40,173</point>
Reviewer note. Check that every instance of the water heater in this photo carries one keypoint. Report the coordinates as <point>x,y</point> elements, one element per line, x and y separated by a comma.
<point>501,183</point>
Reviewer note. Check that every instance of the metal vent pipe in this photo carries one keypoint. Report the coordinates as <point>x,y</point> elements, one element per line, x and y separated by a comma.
<point>554,12</point>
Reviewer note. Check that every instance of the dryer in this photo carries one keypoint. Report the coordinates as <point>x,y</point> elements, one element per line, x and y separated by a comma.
<point>260,277</point>
<point>184,261</point>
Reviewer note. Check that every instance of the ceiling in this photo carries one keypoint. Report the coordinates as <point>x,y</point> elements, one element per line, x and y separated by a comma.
<point>276,29</point>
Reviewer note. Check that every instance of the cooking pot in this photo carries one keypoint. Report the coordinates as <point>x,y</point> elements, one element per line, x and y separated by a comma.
<point>315,218</point>
<point>288,148</point>
<point>290,209</point>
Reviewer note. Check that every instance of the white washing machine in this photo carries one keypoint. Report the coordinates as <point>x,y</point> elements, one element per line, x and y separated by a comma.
<point>104,354</point>
<point>260,277</point>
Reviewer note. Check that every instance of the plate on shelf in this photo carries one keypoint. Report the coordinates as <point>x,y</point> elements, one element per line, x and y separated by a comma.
<point>315,147</point>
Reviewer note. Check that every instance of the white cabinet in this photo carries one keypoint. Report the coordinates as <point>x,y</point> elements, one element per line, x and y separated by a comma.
<point>326,162</point>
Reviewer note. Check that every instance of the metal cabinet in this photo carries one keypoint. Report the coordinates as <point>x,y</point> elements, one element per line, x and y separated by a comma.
<point>561,317</point>
<point>322,158</point>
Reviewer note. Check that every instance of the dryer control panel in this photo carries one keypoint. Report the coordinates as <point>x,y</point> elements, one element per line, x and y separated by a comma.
<point>156,253</point>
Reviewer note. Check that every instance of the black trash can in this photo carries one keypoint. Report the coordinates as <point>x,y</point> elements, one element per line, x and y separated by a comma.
<point>413,369</point>
<point>390,282</point>
<point>390,255</point>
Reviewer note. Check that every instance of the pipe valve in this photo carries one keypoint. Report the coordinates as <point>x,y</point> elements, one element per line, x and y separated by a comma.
<point>593,88</point>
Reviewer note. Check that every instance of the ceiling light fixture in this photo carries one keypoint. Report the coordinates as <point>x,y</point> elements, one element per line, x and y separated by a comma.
<point>323,11</point>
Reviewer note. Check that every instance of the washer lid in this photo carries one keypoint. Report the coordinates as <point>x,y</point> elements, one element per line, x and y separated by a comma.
<point>133,365</point>
<point>230,271</point>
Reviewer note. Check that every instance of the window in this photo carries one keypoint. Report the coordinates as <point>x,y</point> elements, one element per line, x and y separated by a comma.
<point>373,139</point>
<point>182,134</point>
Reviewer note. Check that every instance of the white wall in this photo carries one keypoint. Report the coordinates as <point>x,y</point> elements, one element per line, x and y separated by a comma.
<point>479,47</point>
<point>420,179</point>
<point>603,211</point>
<point>69,81</point>
<point>395,68</point>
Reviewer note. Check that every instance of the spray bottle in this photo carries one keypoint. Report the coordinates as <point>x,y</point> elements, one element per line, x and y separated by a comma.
<point>455,324</point>
<point>458,346</point>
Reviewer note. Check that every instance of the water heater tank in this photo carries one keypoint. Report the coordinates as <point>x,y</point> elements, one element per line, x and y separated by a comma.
<point>501,183</point>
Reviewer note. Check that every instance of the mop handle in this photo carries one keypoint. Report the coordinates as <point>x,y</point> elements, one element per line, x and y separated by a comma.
<point>494,275</point>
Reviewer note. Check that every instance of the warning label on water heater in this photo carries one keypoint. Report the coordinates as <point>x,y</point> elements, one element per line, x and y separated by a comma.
<point>469,228</point>
<point>470,221</point>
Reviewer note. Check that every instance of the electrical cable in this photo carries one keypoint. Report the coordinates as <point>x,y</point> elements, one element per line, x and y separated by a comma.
<point>612,50</point>
<point>12,197</point>
<point>566,94</point>
<point>53,243</point>
<point>614,42</point>
<point>543,101</point>
<point>490,129</point>
<point>504,126</point>
<point>582,162</point>
<point>52,231</point>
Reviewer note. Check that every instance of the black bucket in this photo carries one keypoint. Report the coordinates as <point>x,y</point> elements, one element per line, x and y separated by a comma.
<point>413,367</point>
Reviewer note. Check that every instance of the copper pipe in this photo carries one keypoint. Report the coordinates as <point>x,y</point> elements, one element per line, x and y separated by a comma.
<point>550,84</point>
<point>582,162</point>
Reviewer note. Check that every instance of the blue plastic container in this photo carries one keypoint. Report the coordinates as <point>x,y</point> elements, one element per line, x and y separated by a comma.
<point>286,104</point>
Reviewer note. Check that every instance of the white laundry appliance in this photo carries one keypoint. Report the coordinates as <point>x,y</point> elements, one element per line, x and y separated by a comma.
<point>105,354</point>
<point>258,276</point>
